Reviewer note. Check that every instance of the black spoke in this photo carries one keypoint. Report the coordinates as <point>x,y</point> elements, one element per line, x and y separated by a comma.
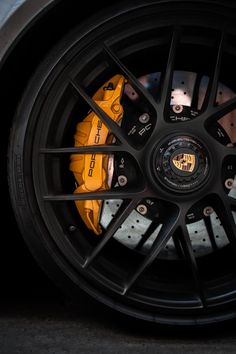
<point>101,195</point>
<point>134,82</point>
<point>220,111</point>
<point>196,91</point>
<point>114,127</point>
<point>160,242</point>
<point>168,75</point>
<point>178,245</point>
<point>232,151</point>
<point>123,213</point>
<point>224,212</point>
<point>189,254</point>
<point>90,149</point>
<point>210,97</point>
<point>153,226</point>
<point>228,150</point>
<point>232,202</point>
<point>208,224</point>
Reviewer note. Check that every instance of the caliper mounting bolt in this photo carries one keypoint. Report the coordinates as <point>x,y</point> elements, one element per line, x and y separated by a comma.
<point>144,118</point>
<point>142,209</point>
<point>122,180</point>
<point>177,108</point>
<point>208,211</point>
<point>229,183</point>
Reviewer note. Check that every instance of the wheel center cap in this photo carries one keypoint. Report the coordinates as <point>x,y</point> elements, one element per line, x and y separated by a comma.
<point>181,163</point>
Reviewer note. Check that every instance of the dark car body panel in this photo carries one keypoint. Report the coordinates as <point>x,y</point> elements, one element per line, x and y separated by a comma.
<point>15,17</point>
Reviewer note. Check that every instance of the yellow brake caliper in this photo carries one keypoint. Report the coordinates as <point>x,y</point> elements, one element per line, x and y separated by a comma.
<point>90,170</point>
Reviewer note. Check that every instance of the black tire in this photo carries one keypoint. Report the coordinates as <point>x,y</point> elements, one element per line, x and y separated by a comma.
<point>186,291</point>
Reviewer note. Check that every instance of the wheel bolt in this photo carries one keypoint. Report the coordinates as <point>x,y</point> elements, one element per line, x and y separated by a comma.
<point>229,183</point>
<point>178,108</point>
<point>144,118</point>
<point>208,211</point>
<point>122,180</point>
<point>142,209</point>
<point>72,228</point>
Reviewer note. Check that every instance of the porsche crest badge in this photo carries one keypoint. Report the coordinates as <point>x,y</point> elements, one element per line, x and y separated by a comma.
<point>185,162</point>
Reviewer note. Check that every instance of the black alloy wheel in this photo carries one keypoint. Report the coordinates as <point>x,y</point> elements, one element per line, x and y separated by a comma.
<point>168,244</point>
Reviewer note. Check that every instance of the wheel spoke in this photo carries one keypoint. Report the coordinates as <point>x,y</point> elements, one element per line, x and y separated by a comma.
<point>196,92</point>
<point>160,242</point>
<point>123,213</point>
<point>232,152</point>
<point>211,93</point>
<point>153,226</point>
<point>208,224</point>
<point>114,127</point>
<point>228,151</point>
<point>219,111</point>
<point>117,193</point>
<point>224,212</point>
<point>189,254</point>
<point>232,202</point>
<point>134,82</point>
<point>168,75</point>
<point>178,245</point>
<point>102,149</point>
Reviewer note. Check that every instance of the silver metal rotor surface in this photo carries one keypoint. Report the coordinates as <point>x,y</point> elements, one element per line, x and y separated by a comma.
<point>135,226</point>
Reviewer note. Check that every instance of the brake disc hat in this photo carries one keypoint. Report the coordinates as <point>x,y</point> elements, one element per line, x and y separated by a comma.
<point>165,245</point>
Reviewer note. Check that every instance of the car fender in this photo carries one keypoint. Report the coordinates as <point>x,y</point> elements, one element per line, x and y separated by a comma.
<point>15,17</point>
